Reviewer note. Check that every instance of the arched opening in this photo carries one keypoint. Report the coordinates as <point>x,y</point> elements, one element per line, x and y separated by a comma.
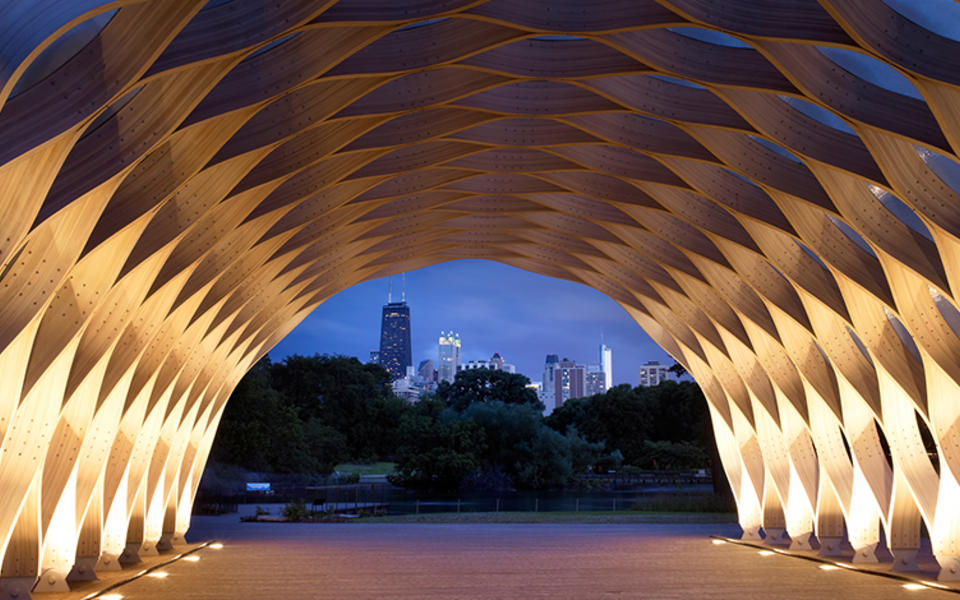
<point>246,162</point>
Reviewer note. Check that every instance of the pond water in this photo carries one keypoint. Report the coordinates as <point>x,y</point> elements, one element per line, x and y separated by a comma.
<point>384,498</point>
<point>403,501</point>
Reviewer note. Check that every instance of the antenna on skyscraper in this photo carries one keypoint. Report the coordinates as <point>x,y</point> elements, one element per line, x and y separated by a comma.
<point>403,287</point>
<point>389,289</point>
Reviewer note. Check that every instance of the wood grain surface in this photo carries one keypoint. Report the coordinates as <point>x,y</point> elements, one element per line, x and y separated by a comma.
<point>182,183</point>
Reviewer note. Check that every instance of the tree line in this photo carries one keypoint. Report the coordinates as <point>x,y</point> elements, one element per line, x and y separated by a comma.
<point>485,430</point>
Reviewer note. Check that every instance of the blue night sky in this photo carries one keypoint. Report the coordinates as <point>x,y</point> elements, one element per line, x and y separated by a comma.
<point>494,307</point>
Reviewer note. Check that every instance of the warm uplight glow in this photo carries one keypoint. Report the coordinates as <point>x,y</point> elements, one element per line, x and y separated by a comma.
<point>110,597</point>
<point>829,567</point>
<point>158,574</point>
<point>914,586</point>
<point>808,284</point>
<point>215,545</point>
<point>718,542</point>
<point>935,585</point>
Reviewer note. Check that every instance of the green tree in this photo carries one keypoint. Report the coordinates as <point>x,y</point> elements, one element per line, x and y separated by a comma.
<point>327,445</point>
<point>621,419</point>
<point>585,454</point>
<point>259,431</point>
<point>677,369</point>
<point>435,452</point>
<point>624,419</point>
<point>529,452</point>
<point>673,455</point>
<point>680,413</point>
<point>346,395</point>
<point>472,386</point>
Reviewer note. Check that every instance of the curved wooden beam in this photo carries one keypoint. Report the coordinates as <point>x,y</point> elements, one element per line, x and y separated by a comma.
<point>180,185</point>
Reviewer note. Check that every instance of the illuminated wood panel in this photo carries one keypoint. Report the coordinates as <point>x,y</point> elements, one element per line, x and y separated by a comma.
<point>182,182</point>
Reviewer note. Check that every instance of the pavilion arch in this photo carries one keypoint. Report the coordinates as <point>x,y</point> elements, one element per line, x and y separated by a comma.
<point>181,184</point>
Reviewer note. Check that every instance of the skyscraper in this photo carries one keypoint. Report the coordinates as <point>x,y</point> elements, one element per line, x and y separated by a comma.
<point>606,365</point>
<point>653,373</point>
<point>549,375</point>
<point>568,380</point>
<point>395,352</point>
<point>425,370</point>
<point>593,383</point>
<point>449,357</point>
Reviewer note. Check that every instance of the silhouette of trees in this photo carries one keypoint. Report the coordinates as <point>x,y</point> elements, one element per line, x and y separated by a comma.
<point>485,429</point>
<point>308,413</point>
<point>472,386</point>
<point>631,419</point>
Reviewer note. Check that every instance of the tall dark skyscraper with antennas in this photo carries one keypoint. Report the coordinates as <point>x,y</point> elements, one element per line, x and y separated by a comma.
<point>395,351</point>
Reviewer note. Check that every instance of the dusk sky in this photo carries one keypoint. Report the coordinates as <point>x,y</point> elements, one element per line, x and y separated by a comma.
<point>494,307</point>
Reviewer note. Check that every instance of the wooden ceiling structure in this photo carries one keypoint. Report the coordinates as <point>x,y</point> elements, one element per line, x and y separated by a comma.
<point>769,187</point>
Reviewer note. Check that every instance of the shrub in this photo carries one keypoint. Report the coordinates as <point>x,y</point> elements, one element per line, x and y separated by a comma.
<point>296,511</point>
<point>344,478</point>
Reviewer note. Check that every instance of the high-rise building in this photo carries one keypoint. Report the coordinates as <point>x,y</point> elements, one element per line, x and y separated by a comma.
<point>549,374</point>
<point>375,357</point>
<point>449,358</point>
<point>474,364</point>
<point>606,365</point>
<point>395,351</point>
<point>653,373</point>
<point>544,395</point>
<point>425,370</point>
<point>568,380</point>
<point>594,383</point>
<point>408,386</point>
<point>494,364</point>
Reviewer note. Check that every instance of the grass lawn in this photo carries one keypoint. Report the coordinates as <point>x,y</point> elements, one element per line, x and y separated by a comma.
<point>624,516</point>
<point>377,468</point>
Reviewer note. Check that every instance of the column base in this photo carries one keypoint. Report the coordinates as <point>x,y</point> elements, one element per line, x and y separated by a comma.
<point>52,580</point>
<point>108,562</point>
<point>865,554</point>
<point>751,534</point>
<point>134,551</point>
<point>148,549</point>
<point>832,546</point>
<point>803,541</point>
<point>16,588</point>
<point>84,569</point>
<point>905,559</point>
<point>776,536</point>
<point>166,543</point>
<point>130,555</point>
<point>949,568</point>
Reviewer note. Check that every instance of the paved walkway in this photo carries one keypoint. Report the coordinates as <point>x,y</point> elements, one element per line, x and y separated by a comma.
<point>494,561</point>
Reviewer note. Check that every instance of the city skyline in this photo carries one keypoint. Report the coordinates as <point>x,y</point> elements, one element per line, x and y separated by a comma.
<point>494,307</point>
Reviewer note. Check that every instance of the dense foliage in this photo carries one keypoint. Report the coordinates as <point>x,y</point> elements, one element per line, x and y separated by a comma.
<point>483,430</point>
<point>663,426</point>
<point>473,386</point>
<point>307,414</point>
